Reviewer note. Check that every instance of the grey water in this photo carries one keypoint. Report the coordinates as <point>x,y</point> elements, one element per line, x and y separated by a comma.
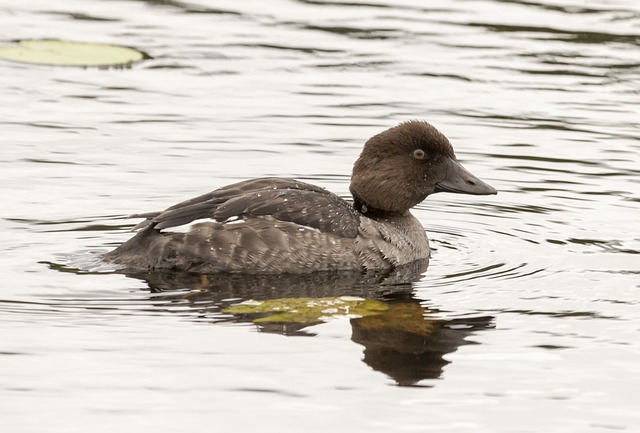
<point>528,317</point>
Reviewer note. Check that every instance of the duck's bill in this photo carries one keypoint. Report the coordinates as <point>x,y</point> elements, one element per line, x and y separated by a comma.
<point>460,180</point>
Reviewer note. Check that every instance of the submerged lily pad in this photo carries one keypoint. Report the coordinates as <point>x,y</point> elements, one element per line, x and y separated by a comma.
<point>307,310</point>
<point>403,317</point>
<point>67,53</point>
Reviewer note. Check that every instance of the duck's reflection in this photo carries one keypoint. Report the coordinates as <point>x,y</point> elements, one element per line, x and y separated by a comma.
<point>409,347</point>
<point>399,338</point>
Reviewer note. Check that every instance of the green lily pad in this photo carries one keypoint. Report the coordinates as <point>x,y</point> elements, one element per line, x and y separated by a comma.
<point>307,310</point>
<point>67,53</point>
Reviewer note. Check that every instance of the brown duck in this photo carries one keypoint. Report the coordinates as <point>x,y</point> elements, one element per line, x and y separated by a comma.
<point>280,225</point>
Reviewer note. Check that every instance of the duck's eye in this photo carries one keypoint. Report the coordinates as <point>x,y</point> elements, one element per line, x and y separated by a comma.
<point>418,154</point>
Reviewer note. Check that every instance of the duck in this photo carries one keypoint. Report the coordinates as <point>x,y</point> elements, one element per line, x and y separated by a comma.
<point>275,225</point>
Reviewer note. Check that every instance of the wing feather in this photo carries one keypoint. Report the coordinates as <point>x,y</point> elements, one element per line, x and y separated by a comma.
<point>286,200</point>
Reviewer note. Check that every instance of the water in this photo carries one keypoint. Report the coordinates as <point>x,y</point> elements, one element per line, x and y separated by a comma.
<point>529,309</point>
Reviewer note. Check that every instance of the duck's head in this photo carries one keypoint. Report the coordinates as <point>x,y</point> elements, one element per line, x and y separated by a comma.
<point>401,166</point>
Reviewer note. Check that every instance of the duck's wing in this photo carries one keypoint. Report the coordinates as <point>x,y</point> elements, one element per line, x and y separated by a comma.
<point>286,200</point>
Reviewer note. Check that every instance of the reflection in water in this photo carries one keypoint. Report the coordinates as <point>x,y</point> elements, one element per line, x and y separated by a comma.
<point>399,339</point>
<point>409,347</point>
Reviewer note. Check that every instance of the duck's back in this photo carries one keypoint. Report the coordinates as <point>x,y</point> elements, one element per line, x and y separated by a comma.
<point>269,225</point>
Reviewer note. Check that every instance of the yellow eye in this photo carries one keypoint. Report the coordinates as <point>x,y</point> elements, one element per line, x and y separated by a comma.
<point>419,154</point>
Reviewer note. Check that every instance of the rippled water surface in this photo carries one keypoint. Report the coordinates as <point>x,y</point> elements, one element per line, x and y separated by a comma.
<point>528,318</point>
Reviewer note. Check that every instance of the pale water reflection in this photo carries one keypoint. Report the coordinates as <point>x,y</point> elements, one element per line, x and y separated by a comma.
<point>540,98</point>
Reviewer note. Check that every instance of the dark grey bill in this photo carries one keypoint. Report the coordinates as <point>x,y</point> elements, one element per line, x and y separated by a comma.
<point>460,180</point>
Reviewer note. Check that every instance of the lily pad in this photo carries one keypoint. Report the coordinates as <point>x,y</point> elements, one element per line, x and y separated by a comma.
<point>67,53</point>
<point>307,310</point>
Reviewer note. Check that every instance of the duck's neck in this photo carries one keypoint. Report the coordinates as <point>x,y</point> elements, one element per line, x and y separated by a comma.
<point>372,212</point>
